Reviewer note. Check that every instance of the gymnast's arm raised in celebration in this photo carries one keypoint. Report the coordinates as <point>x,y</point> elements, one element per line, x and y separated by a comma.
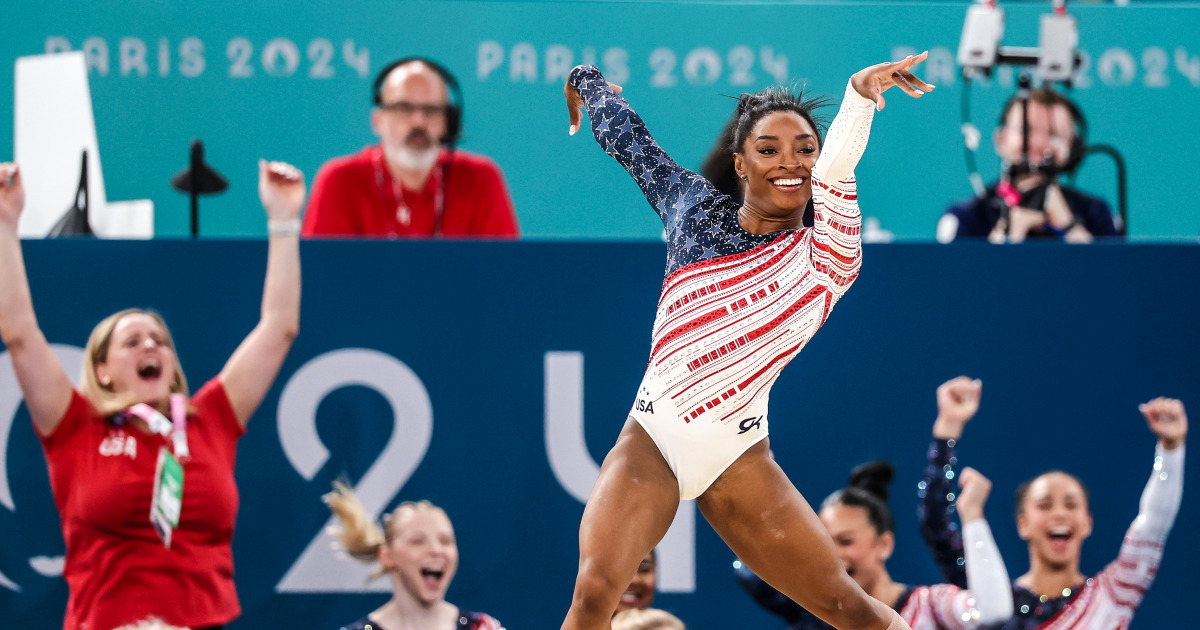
<point>619,130</point>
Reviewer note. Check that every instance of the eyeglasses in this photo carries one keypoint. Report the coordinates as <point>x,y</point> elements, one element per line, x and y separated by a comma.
<point>404,108</point>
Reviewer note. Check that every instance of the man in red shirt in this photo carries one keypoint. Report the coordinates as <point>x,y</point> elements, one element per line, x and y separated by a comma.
<point>413,183</point>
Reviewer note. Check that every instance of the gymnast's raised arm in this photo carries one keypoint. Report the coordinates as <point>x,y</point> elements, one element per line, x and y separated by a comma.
<point>623,135</point>
<point>837,220</point>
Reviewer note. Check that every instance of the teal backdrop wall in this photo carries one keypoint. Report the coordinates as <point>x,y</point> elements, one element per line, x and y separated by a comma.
<point>291,81</point>
<point>491,377</point>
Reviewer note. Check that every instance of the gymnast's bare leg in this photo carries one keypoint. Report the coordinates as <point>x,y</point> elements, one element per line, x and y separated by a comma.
<point>757,511</point>
<point>752,505</point>
<point>629,511</point>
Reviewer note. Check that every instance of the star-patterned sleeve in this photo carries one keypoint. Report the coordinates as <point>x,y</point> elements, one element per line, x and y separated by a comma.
<point>670,188</point>
<point>837,221</point>
<point>936,513</point>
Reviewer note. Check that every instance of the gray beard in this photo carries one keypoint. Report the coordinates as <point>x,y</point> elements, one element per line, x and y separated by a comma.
<point>411,160</point>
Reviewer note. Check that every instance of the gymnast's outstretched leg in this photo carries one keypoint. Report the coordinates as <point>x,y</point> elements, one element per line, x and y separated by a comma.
<point>629,511</point>
<point>755,508</point>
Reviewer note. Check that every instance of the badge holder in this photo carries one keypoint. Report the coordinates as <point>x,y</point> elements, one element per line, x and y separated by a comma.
<point>167,501</point>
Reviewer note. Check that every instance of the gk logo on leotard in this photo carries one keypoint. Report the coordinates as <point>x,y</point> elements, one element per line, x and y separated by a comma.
<point>644,405</point>
<point>750,423</point>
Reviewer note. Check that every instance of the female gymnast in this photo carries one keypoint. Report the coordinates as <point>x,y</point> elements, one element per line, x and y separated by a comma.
<point>1053,518</point>
<point>141,474</point>
<point>863,529</point>
<point>415,548</point>
<point>745,289</point>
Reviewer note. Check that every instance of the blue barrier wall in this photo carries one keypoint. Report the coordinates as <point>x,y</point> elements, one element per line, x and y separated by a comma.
<point>291,81</point>
<point>455,337</point>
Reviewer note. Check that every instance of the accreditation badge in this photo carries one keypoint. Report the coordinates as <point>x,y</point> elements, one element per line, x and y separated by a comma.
<point>167,500</point>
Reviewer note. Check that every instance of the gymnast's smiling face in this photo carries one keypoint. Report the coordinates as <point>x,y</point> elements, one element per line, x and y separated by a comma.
<point>421,554</point>
<point>862,549</point>
<point>1054,520</point>
<point>776,161</point>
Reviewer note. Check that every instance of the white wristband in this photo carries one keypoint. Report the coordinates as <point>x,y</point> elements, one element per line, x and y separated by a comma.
<point>287,227</point>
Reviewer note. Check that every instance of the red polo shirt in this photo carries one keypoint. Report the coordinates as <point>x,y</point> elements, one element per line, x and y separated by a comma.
<point>117,569</point>
<point>356,196</point>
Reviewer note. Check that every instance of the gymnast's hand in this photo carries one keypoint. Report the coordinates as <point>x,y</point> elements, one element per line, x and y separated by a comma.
<point>281,190</point>
<point>1167,420</point>
<point>957,402</point>
<point>871,82</point>
<point>975,489</point>
<point>575,102</point>
<point>12,194</point>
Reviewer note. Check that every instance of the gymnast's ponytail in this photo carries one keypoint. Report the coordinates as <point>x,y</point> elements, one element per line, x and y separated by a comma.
<point>360,536</point>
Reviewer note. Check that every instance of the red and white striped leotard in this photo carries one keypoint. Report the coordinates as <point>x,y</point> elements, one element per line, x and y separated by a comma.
<point>726,327</point>
<point>735,307</point>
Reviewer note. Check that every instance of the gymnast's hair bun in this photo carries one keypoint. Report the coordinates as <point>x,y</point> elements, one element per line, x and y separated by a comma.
<point>873,477</point>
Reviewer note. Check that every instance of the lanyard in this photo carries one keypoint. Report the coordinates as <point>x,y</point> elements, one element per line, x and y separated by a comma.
<point>159,423</point>
<point>403,214</point>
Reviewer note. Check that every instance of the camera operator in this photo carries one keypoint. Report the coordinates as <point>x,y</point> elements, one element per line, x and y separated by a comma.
<point>1028,201</point>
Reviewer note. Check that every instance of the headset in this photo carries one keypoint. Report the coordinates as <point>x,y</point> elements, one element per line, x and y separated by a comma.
<point>1079,147</point>
<point>454,109</point>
